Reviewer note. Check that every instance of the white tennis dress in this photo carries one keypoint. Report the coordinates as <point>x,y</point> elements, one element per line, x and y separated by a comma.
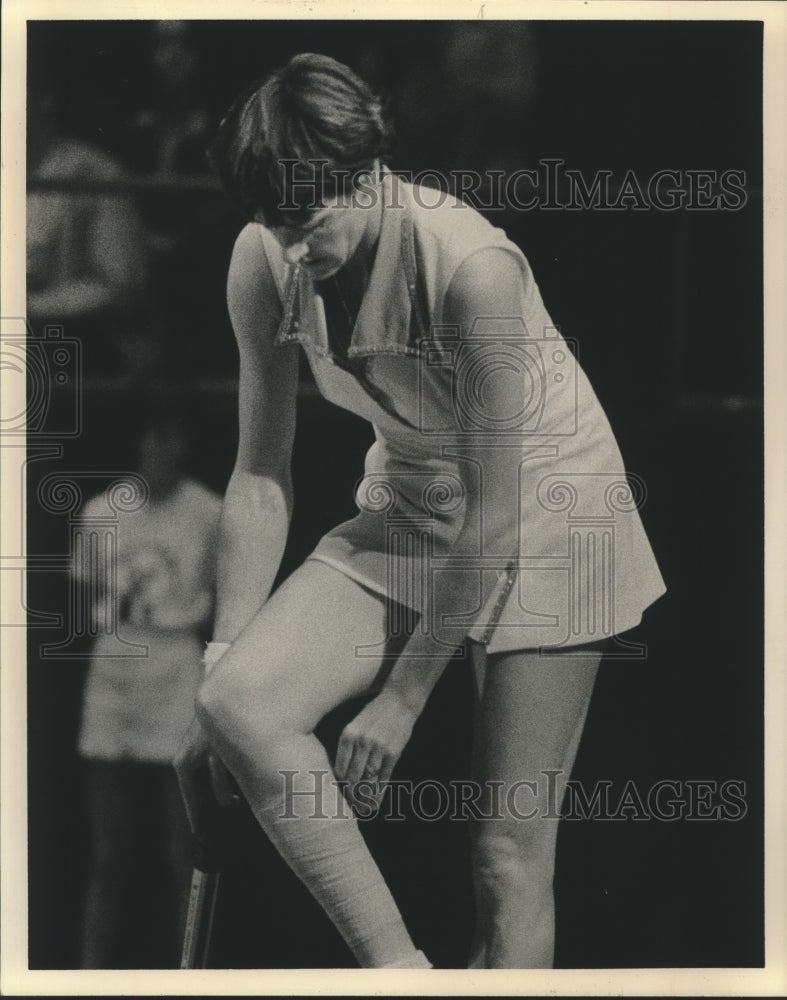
<point>575,565</point>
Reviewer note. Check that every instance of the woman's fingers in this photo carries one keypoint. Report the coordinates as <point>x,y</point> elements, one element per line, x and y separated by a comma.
<point>358,760</point>
<point>358,763</point>
<point>365,770</point>
<point>386,769</point>
<point>344,755</point>
<point>363,788</point>
<point>370,775</point>
<point>374,762</point>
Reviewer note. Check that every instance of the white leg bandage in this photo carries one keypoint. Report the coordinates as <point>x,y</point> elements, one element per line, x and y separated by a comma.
<point>326,850</point>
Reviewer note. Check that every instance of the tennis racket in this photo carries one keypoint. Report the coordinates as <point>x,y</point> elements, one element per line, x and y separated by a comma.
<point>204,892</point>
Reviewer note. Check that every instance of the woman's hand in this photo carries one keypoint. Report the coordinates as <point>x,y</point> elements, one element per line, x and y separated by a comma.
<point>371,745</point>
<point>203,779</point>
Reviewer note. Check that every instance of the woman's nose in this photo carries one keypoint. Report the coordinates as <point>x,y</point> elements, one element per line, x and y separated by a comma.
<point>294,244</point>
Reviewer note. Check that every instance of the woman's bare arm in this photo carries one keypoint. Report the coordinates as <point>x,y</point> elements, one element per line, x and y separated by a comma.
<point>257,506</point>
<point>255,515</point>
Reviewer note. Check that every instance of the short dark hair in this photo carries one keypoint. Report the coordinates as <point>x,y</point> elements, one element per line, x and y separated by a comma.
<point>313,121</point>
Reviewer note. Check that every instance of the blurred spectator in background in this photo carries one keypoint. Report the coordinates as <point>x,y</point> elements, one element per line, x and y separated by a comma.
<point>171,137</point>
<point>189,231</point>
<point>87,260</point>
<point>464,95</point>
<point>490,71</point>
<point>136,710</point>
<point>465,99</point>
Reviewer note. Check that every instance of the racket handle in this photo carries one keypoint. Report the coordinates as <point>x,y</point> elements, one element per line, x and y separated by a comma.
<point>208,847</point>
<point>199,919</point>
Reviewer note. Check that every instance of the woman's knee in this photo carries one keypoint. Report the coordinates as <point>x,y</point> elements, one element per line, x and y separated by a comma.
<point>236,714</point>
<point>514,862</point>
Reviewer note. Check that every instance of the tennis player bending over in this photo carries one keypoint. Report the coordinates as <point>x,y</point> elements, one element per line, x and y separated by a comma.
<point>427,322</point>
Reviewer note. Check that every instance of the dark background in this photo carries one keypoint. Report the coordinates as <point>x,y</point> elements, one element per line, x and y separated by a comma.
<point>666,308</point>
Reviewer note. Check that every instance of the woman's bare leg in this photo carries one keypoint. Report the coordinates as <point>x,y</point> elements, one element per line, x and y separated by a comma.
<point>295,662</point>
<point>531,714</point>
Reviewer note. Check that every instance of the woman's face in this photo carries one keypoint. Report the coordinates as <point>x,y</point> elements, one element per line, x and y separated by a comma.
<point>330,237</point>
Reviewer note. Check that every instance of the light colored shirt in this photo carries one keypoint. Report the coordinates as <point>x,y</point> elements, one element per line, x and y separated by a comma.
<point>139,707</point>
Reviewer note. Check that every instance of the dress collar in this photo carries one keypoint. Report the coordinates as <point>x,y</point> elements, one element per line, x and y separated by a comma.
<point>393,316</point>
